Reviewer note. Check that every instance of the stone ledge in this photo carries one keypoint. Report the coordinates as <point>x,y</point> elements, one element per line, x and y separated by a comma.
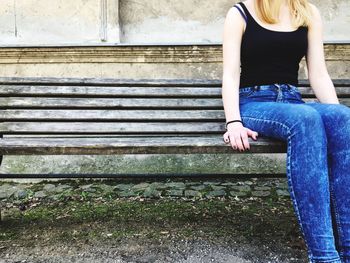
<point>136,54</point>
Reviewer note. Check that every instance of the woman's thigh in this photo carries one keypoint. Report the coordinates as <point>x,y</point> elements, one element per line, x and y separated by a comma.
<point>278,119</point>
<point>336,119</point>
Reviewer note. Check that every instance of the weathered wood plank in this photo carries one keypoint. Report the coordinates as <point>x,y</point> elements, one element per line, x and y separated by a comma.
<point>116,115</point>
<point>98,135</point>
<point>116,103</point>
<point>92,91</point>
<point>136,145</point>
<point>131,82</point>
<point>119,103</point>
<point>111,127</point>
<point>109,81</point>
<point>144,92</point>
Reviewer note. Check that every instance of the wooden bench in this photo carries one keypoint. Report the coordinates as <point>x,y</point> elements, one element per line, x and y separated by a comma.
<point>49,116</point>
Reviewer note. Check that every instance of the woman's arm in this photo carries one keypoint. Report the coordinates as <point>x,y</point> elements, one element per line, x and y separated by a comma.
<point>319,78</point>
<point>232,37</point>
<point>236,133</point>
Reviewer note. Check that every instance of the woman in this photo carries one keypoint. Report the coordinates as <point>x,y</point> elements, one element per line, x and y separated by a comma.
<point>269,38</point>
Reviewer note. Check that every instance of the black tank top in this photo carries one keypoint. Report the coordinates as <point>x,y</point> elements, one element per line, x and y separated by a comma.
<point>268,56</point>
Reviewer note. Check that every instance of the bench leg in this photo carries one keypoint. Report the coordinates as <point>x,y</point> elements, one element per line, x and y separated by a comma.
<point>1,136</point>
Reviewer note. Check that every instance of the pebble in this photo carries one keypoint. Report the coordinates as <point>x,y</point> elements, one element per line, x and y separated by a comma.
<point>180,185</point>
<point>49,188</point>
<point>21,194</point>
<point>241,188</point>
<point>40,194</point>
<point>175,192</point>
<point>192,193</point>
<point>198,187</point>
<point>260,193</point>
<point>282,192</point>
<point>235,193</point>
<point>151,192</point>
<point>140,187</point>
<point>216,193</point>
<point>217,187</point>
<point>262,188</point>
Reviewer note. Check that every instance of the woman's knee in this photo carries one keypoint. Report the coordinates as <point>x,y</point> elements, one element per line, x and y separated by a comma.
<point>337,123</point>
<point>339,114</point>
<point>307,120</point>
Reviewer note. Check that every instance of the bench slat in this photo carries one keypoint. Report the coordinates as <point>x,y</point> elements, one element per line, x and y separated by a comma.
<point>12,102</point>
<point>131,82</point>
<point>133,145</point>
<point>110,127</point>
<point>120,103</point>
<point>92,91</point>
<point>10,90</point>
<point>91,115</point>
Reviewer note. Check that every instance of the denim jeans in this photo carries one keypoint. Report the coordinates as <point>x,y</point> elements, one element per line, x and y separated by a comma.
<point>318,162</point>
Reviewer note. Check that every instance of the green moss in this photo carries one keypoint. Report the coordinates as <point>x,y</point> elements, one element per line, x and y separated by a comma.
<point>153,219</point>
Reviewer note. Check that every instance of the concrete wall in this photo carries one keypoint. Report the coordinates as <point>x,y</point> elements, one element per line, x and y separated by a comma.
<point>32,22</point>
<point>202,20</point>
<point>59,22</point>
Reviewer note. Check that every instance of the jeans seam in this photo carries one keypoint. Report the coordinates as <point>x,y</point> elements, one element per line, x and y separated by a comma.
<point>336,152</point>
<point>336,260</point>
<point>336,212</point>
<point>336,216</point>
<point>289,149</point>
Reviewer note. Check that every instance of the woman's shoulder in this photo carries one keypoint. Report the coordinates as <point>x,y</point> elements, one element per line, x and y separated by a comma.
<point>314,10</point>
<point>316,18</point>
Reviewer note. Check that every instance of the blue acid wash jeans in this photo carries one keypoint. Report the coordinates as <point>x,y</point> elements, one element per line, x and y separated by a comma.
<point>318,162</point>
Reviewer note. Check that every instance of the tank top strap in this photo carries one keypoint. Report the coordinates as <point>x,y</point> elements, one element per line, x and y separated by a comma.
<point>245,9</point>
<point>242,13</point>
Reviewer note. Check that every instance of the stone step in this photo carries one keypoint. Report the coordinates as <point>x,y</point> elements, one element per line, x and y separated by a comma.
<point>186,61</point>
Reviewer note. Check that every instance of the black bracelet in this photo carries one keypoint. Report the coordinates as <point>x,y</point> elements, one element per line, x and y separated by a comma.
<point>232,121</point>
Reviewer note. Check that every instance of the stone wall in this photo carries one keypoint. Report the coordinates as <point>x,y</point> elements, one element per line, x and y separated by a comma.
<point>58,22</point>
<point>81,22</point>
<point>202,20</point>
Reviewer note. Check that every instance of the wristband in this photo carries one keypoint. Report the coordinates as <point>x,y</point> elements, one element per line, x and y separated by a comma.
<point>232,121</point>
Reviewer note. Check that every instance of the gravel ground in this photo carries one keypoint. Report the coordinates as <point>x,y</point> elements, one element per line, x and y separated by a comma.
<point>92,226</point>
<point>181,251</point>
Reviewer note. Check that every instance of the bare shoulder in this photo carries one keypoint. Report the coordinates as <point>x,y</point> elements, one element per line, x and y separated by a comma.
<point>316,14</point>
<point>313,7</point>
<point>234,19</point>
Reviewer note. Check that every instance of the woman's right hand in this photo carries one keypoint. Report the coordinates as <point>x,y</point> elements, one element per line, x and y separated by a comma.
<point>237,135</point>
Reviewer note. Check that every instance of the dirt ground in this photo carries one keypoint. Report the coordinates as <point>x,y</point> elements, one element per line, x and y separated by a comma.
<point>151,230</point>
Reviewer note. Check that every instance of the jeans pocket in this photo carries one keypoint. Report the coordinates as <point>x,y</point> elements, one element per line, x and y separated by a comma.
<point>294,90</point>
<point>246,91</point>
<point>297,94</point>
<point>294,94</point>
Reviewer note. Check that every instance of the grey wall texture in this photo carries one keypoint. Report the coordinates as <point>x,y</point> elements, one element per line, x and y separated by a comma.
<point>59,22</point>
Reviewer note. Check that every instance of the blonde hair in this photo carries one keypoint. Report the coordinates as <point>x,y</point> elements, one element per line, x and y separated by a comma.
<point>268,10</point>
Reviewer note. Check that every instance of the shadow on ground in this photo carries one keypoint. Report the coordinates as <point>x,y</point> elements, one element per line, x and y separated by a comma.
<point>152,230</point>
